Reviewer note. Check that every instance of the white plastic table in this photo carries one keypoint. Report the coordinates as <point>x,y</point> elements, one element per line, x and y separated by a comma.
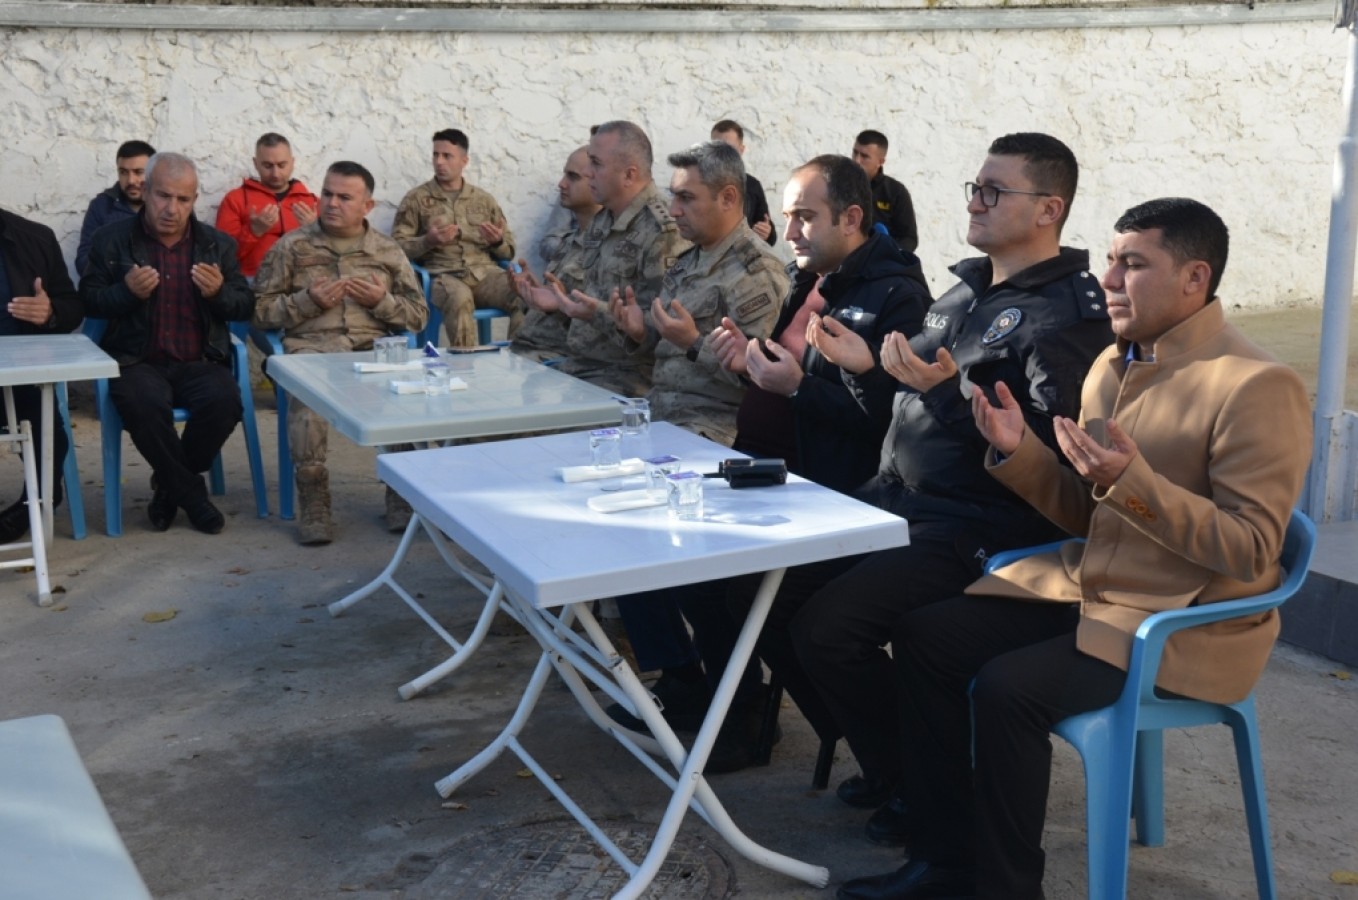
<point>56,839</point>
<point>506,394</point>
<point>44,360</point>
<point>550,555</point>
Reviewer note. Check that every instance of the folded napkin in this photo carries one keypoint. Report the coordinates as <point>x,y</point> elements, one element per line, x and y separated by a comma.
<point>571,474</point>
<point>625,500</point>
<point>368,368</point>
<point>417,387</point>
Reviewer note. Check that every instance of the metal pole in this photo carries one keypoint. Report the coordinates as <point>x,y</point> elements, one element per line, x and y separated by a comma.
<point>1326,480</point>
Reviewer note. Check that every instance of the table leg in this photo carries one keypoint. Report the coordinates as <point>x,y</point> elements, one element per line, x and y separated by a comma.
<point>35,527</point>
<point>45,465</point>
<point>690,776</point>
<point>387,578</point>
<point>562,651</point>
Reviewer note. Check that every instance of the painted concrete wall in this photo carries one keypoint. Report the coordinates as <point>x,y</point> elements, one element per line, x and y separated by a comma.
<point>1243,117</point>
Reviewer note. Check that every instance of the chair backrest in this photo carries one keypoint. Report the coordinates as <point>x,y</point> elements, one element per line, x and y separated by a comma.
<point>1299,544</point>
<point>94,328</point>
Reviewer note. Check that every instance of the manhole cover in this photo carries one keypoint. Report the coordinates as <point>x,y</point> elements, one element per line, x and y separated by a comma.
<point>554,860</point>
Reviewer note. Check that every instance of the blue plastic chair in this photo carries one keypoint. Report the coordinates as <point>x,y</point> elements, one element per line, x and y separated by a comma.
<point>483,317</point>
<point>111,431</point>
<point>1122,745</point>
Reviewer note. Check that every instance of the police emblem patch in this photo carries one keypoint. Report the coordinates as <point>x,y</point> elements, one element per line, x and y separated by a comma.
<point>1004,323</point>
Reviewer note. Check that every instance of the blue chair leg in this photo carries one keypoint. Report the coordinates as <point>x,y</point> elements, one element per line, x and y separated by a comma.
<point>251,426</point>
<point>286,486</point>
<point>70,470</point>
<point>1244,726</point>
<point>111,433</point>
<point>1148,788</point>
<point>1108,800</point>
<point>483,328</point>
<point>216,477</point>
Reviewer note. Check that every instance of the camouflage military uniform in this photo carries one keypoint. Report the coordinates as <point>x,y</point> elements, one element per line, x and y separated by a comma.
<point>282,301</point>
<point>466,273</point>
<point>740,278</point>
<point>543,335</point>
<point>634,248</point>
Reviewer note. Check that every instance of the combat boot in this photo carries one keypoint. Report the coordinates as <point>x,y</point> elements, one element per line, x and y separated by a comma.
<point>313,495</point>
<point>398,512</point>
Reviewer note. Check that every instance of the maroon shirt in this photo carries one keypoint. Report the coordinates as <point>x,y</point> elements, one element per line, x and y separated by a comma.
<point>176,323</point>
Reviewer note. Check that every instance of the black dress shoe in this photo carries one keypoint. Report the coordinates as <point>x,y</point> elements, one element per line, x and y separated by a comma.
<point>14,521</point>
<point>204,516</point>
<point>916,880</point>
<point>683,704</point>
<point>162,509</point>
<point>864,793</point>
<point>737,743</point>
<point>889,825</point>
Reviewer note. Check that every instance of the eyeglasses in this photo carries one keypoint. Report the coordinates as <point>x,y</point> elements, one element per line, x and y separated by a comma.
<point>990,195</point>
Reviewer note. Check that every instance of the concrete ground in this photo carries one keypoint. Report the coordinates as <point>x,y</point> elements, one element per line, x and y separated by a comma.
<point>248,745</point>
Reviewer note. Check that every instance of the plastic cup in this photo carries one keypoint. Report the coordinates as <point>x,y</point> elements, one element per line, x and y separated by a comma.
<point>605,448</point>
<point>685,495</point>
<point>438,379</point>
<point>636,417</point>
<point>657,467</point>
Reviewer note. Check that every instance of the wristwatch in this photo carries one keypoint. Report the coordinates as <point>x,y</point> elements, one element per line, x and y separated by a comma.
<point>692,352</point>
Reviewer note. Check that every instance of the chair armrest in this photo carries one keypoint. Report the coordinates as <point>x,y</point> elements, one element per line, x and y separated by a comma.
<point>1009,556</point>
<point>94,328</point>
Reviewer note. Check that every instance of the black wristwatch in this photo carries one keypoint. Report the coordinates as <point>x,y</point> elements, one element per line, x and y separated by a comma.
<point>692,352</point>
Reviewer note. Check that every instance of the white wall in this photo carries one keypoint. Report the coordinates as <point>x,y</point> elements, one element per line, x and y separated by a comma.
<point>1243,117</point>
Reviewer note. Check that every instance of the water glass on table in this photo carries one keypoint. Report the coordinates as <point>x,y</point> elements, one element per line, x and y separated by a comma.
<point>605,448</point>
<point>636,416</point>
<point>685,495</point>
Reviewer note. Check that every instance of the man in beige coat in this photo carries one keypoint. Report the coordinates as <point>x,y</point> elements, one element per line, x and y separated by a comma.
<point>1191,450</point>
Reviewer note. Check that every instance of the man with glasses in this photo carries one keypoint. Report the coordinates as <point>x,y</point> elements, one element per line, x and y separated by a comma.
<point>1027,313</point>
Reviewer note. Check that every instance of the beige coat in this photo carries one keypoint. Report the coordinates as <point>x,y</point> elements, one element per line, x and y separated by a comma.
<point>1223,434</point>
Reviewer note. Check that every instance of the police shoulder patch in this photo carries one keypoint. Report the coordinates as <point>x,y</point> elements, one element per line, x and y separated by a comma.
<point>1004,323</point>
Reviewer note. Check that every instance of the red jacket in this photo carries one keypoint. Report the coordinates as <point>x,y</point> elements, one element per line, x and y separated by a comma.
<point>233,217</point>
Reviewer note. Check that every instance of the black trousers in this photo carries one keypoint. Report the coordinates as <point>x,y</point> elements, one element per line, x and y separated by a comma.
<point>841,632</point>
<point>1028,676</point>
<point>655,626</point>
<point>146,395</point>
<point>28,405</point>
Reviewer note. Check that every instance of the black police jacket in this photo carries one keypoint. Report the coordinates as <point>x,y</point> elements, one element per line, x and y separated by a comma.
<point>1038,332</point>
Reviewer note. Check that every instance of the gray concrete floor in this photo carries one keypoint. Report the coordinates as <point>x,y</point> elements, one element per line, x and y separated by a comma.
<point>254,747</point>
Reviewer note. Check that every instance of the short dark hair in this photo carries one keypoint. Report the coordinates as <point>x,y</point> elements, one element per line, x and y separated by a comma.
<point>872,137</point>
<point>1050,165</point>
<point>633,142</point>
<point>846,184</point>
<point>272,139</point>
<point>453,136</point>
<point>1189,230</point>
<point>129,149</point>
<point>718,165</point>
<point>726,125</point>
<point>348,169</point>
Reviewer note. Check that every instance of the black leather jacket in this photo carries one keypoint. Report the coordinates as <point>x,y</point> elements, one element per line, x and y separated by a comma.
<point>122,245</point>
<point>876,290</point>
<point>1038,332</point>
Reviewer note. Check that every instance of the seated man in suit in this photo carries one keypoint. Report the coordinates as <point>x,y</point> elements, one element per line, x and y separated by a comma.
<point>36,297</point>
<point>1181,474</point>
